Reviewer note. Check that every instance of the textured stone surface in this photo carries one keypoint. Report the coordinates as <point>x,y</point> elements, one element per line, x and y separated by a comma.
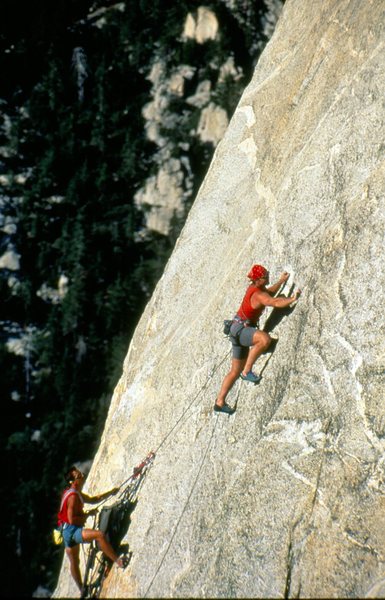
<point>286,497</point>
<point>203,28</point>
<point>212,124</point>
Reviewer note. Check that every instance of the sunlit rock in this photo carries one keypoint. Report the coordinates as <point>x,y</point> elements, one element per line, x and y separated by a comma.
<point>10,260</point>
<point>161,198</point>
<point>16,346</point>
<point>203,28</point>
<point>286,497</point>
<point>189,27</point>
<point>202,94</point>
<point>36,435</point>
<point>8,225</point>
<point>229,70</point>
<point>213,123</point>
<point>54,295</point>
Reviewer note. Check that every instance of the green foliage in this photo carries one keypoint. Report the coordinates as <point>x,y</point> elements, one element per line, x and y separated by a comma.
<point>82,146</point>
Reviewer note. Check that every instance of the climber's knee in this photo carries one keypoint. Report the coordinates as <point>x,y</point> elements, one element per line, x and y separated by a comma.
<point>262,338</point>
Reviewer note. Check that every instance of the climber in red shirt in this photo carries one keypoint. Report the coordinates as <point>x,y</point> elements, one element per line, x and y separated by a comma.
<point>71,519</point>
<point>247,340</point>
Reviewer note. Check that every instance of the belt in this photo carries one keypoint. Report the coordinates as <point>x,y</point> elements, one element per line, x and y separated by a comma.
<point>242,321</point>
<point>245,322</point>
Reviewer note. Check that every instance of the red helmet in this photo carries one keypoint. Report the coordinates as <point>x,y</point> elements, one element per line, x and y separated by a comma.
<point>256,272</point>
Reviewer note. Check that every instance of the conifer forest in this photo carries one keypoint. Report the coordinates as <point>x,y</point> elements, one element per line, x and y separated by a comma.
<point>78,258</point>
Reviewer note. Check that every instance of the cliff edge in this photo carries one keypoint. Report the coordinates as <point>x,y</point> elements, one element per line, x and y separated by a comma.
<point>286,497</point>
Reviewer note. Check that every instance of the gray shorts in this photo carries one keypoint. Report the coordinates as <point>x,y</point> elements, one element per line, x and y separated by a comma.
<point>241,338</point>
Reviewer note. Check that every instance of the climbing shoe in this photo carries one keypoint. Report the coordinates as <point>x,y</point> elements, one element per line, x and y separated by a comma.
<point>225,409</point>
<point>251,377</point>
<point>122,561</point>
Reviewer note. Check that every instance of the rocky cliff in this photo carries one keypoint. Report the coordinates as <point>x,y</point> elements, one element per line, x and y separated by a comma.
<point>190,105</point>
<point>286,497</point>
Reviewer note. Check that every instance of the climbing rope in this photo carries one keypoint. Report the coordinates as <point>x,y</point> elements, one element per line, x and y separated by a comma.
<point>183,511</point>
<point>168,435</point>
<point>97,569</point>
<point>204,387</point>
<point>93,575</point>
<point>200,466</point>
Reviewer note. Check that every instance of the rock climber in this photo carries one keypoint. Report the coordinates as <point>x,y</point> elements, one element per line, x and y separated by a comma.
<point>248,341</point>
<point>71,519</point>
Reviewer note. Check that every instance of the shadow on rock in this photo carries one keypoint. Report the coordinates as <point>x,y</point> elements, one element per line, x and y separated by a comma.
<point>277,314</point>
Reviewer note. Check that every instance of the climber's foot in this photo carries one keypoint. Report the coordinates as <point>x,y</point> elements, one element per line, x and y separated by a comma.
<point>225,408</point>
<point>250,376</point>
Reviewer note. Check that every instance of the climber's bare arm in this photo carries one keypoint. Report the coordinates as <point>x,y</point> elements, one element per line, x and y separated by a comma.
<point>265,299</point>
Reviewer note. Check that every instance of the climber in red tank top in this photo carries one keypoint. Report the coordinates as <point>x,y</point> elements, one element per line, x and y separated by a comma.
<point>247,340</point>
<point>246,311</point>
<point>71,518</point>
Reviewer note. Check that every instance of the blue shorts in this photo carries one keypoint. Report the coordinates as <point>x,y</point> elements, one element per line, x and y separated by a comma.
<point>72,535</point>
<point>241,338</point>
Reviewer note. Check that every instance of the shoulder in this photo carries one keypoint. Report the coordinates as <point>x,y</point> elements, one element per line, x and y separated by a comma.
<point>75,496</point>
<point>261,295</point>
<point>67,493</point>
<point>251,289</point>
<point>255,291</point>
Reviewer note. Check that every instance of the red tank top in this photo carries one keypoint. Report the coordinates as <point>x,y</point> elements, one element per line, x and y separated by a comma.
<point>246,311</point>
<point>62,516</point>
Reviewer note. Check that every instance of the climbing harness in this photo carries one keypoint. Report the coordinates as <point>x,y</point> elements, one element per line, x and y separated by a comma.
<point>114,521</point>
<point>228,323</point>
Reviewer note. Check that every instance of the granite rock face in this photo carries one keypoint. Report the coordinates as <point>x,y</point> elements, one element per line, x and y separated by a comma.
<point>286,497</point>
